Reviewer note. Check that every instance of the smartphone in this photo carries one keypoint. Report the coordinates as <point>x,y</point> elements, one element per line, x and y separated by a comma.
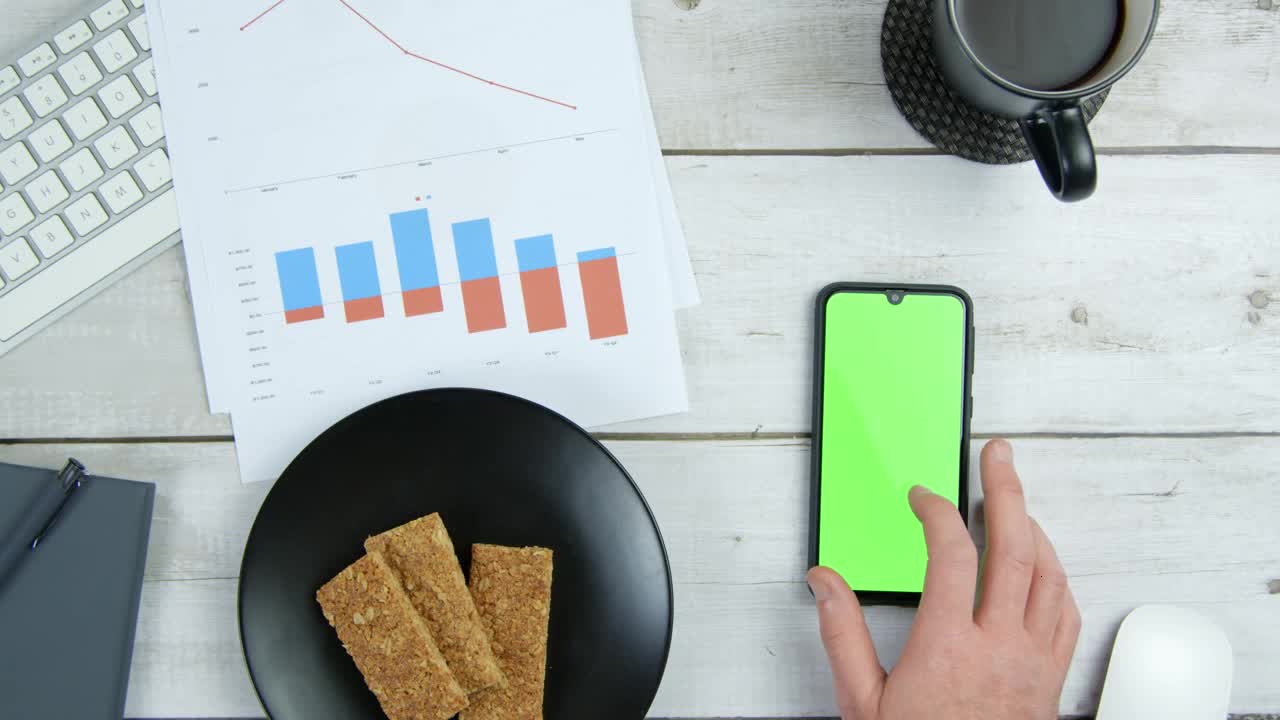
<point>893,370</point>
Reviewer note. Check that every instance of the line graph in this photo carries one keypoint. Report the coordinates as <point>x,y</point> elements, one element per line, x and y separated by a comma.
<point>261,15</point>
<point>423,58</point>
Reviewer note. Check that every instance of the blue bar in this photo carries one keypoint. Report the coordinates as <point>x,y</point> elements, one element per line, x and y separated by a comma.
<point>358,271</point>
<point>299,282</point>
<point>535,253</point>
<point>415,254</point>
<point>601,254</point>
<point>473,241</point>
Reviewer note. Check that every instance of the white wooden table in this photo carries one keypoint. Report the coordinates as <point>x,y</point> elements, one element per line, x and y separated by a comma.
<point>1130,345</point>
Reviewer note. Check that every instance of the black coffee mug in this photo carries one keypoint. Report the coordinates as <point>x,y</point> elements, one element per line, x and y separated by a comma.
<point>1036,61</point>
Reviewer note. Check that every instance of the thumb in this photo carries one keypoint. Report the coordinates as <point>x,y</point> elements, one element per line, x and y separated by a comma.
<point>855,668</point>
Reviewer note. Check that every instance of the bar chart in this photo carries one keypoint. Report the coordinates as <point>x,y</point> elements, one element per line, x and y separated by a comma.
<point>300,285</point>
<point>361,290</point>
<point>416,261</point>
<point>479,278</point>
<point>540,283</point>
<point>478,271</point>
<point>602,293</point>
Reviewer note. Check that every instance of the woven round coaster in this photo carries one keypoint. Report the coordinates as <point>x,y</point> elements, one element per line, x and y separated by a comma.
<point>922,95</point>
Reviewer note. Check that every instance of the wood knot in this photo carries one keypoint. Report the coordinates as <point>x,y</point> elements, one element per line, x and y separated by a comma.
<point>1259,299</point>
<point>1080,315</point>
<point>693,4</point>
<point>1266,4</point>
<point>1273,587</point>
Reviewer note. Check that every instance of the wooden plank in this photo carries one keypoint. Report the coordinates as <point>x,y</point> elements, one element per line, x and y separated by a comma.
<point>739,651</point>
<point>124,364</point>
<point>187,660</point>
<point>29,21</point>
<point>1151,308</point>
<point>805,74</point>
<point>1147,309</point>
<point>1180,521</point>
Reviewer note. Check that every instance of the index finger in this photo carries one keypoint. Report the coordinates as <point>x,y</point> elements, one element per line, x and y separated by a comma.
<point>952,574</point>
<point>1011,549</point>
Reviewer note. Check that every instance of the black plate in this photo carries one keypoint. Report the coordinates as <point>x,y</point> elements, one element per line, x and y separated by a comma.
<point>499,470</point>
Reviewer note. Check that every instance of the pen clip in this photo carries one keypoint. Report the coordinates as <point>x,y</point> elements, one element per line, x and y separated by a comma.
<point>69,479</point>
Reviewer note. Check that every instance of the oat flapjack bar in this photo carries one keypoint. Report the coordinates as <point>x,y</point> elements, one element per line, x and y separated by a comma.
<point>422,557</point>
<point>512,592</point>
<point>389,642</point>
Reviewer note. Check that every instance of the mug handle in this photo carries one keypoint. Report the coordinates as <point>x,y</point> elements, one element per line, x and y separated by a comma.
<point>1060,143</point>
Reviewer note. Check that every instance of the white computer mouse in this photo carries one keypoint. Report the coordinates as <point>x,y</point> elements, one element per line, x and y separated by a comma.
<point>1168,663</point>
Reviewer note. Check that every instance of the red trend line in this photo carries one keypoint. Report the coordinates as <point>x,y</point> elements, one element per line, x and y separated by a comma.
<point>439,64</point>
<point>423,58</point>
<point>261,15</point>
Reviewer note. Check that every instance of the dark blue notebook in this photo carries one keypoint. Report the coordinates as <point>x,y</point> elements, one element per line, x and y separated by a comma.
<point>69,611</point>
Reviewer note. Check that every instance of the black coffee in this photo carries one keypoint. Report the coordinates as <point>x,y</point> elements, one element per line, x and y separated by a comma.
<point>1041,44</point>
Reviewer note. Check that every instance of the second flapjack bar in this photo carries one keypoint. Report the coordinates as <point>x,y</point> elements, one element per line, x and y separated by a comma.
<point>389,642</point>
<point>422,556</point>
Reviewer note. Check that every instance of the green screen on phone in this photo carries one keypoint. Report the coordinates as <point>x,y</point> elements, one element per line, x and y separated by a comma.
<point>893,389</point>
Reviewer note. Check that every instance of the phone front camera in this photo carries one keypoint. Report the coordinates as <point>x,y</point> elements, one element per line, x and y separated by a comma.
<point>895,298</point>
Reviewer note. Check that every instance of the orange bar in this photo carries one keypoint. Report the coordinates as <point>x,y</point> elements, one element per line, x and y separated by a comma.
<point>602,294</point>
<point>543,300</point>
<point>303,314</point>
<point>423,301</point>
<point>369,308</point>
<point>482,299</point>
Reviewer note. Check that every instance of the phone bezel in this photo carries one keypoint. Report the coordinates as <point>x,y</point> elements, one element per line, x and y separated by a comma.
<point>880,597</point>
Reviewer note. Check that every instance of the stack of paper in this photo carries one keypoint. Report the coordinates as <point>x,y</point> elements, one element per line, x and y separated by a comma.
<point>380,197</point>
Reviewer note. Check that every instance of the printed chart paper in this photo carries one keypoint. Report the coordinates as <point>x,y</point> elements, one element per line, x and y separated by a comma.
<point>381,197</point>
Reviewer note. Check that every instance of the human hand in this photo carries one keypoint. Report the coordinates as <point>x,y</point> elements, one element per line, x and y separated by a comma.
<point>1005,661</point>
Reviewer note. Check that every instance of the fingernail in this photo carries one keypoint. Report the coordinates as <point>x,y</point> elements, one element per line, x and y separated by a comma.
<point>1001,451</point>
<point>919,491</point>
<point>821,590</point>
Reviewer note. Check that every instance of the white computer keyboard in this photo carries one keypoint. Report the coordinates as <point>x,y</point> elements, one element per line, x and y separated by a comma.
<point>85,188</point>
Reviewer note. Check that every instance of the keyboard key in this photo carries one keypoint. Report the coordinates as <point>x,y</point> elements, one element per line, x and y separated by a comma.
<point>109,14</point>
<point>154,170</point>
<point>120,96</point>
<point>146,74</point>
<point>85,119</point>
<point>80,74</point>
<point>13,118</point>
<point>16,163</point>
<point>114,51</point>
<point>146,125</point>
<point>52,237</point>
<point>50,141</point>
<point>73,37</point>
<point>115,147</point>
<point>17,259</point>
<point>85,265</point>
<point>8,79</point>
<point>86,214</point>
<point>46,191</point>
<point>45,95</point>
<point>37,60</point>
<point>14,214</point>
<point>81,169</point>
<point>121,192</point>
<point>138,28</point>
<point>136,3</point>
